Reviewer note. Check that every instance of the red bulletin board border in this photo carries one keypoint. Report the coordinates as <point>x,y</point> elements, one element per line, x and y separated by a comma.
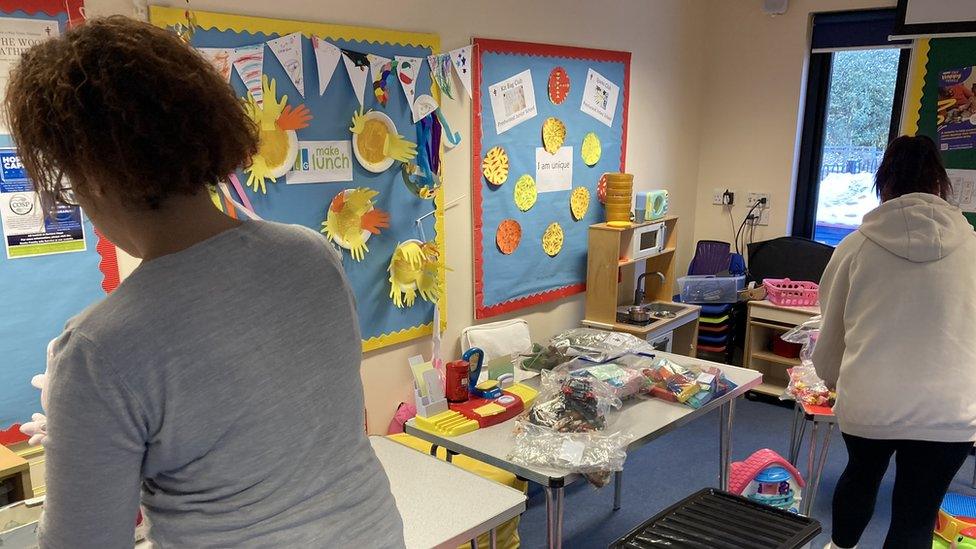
<point>483,45</point>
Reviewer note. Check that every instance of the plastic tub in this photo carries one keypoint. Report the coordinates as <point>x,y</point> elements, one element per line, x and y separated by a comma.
<point>711,289</point>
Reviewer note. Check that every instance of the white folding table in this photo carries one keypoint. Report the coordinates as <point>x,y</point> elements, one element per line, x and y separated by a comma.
<point>441,504</point>
<point>645,419</point>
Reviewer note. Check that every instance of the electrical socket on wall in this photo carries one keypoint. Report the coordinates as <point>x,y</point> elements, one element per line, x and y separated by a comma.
<point>754,197</point>
<point>723,196</point>
<point>763,217</point>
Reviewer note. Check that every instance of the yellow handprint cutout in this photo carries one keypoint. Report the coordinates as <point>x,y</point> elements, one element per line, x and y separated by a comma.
<point>415,267</point>
<point>376,143</point>
<point>352,219</point>
<point>278,142</point>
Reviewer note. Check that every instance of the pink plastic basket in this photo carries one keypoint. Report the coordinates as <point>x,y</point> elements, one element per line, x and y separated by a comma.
<point>787,293</point>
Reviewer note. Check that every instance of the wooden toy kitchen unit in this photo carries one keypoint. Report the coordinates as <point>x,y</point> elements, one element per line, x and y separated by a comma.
<point>617,257</point>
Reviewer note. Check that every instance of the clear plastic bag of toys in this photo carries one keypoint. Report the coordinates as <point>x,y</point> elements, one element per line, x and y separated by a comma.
<point>598,345</point>
<point>572,404</point>
<point>590,453</point>
<point>626,375</point>
<point>690,385</point>
<point>804,385</point>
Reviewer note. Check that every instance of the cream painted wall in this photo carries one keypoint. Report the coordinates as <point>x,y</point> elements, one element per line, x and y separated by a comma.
<point>754,74</point>
<point>667,98</point>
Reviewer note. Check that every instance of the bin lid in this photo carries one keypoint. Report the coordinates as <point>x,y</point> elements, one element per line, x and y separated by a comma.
<point>702,520</point>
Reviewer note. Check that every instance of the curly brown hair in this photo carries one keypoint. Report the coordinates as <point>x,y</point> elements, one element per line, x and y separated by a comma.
<point>120,107</point>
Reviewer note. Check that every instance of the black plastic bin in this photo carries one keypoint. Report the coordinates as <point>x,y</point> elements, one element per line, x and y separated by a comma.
<point>719,520</point>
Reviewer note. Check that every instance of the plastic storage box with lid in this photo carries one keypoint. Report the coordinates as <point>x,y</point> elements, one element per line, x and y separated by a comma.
<point>705,289</point>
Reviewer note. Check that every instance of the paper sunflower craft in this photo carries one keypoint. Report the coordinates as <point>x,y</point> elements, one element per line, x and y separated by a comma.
<point>278,142</point>
<point>353,218</point>
<point>375,141</point>
<point>415,268</point>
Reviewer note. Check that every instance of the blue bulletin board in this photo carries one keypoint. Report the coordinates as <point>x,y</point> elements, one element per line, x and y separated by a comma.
<point>381,322</point>
<point>518,261</point>
<point>39,294</point>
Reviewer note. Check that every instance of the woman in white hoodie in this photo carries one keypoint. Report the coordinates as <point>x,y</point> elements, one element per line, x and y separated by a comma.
<point>899,344</point>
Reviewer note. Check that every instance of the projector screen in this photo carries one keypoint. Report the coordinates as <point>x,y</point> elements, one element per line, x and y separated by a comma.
<point>935,18</point>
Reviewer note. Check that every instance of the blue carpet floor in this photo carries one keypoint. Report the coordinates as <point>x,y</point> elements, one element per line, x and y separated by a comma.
<point>685,460</point>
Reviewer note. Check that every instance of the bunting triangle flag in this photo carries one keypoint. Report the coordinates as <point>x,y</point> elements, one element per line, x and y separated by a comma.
<point>407,69</point>
<point>440,72</point>
<point>220,58</point>
<point>461,59</point>
<point>249,64</point>
<point>326,60</point>
<point>357,67</point>
<point>381,67</point>
<point>288,50</point>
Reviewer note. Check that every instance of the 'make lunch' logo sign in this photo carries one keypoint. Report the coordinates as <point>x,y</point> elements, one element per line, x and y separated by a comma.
<point>322,162</point>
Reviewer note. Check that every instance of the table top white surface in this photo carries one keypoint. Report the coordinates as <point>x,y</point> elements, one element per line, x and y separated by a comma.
<point>441,504</point>
<point>644,419</point>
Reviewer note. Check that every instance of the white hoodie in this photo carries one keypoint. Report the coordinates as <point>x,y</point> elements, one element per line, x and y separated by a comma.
<point>898,337</point>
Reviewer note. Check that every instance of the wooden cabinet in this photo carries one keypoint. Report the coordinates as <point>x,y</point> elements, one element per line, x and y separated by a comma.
<point>766,322</point>
<point>15,474</point>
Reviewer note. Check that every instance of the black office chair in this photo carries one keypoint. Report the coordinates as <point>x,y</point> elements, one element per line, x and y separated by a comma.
<point>788,257</point>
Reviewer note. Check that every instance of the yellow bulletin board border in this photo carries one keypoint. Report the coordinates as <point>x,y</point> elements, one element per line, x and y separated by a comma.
<point>913,99</point>
<point>167,17</point>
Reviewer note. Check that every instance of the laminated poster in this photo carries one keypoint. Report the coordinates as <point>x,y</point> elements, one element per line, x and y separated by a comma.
<point>957,109</point>
<point>27,232</point>
<point>17,35</point>
<point>600,97</point>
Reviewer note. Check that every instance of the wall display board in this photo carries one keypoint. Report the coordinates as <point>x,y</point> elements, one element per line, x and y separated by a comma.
<point>50,270</point>
<point>340,107</point>
<point>548,122</point>
<point>942,105</point>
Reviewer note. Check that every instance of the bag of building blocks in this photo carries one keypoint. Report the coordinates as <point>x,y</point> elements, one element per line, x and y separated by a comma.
<point>593,454</point>
<point>598,345</point>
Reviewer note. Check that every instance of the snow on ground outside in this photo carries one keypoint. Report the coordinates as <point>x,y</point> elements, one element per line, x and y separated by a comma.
<point>845,198</point>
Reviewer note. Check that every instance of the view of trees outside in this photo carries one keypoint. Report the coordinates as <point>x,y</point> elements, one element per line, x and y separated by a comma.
<point>859,101</point>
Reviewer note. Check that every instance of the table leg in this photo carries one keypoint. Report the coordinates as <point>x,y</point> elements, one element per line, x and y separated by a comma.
<point>558,535</point>
<point>814,483</point>
<point>726,412</point>
<point>811,461</point>
<point>550,518</point>
<point>474,543</point>
<point>974,473</point>
<point>554,516</point>
<point>492,539</point>
<point>618,483</point>
<point>795,434</point>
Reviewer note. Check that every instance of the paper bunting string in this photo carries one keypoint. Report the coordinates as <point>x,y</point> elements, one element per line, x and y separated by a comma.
<point>288,50</point>
<point>423,106</point>
<point>382,68</point>
<point>249,64</point>
<point>407,69</point>
<point>461,59</point>
<point>220,58</point>
<point>326,60</point>
<point>357,67</point>
<point>440,72</point>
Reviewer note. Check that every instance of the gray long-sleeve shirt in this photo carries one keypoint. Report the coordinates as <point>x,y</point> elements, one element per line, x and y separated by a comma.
<point>222,380</point>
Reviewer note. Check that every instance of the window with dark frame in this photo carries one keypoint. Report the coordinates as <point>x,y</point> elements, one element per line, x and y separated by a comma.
<point>855,89</point>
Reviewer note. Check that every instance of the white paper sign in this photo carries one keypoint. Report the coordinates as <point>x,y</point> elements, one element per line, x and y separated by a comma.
<point>358,75</point>
<point>326,60</point>
<point>321,162</point>
<point>554,172</point>
<point>16,36</point>
<point>512,101</point>
<point>600,97</point>
<point>963,189</point>
<point>288,50</point>
<point>249,63</point>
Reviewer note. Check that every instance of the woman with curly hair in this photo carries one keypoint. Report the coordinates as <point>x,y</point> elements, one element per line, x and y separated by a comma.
<point>219,385</point>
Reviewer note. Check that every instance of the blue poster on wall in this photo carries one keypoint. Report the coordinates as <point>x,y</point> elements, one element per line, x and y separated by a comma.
<point>549,122</point>
<point>318,91</point>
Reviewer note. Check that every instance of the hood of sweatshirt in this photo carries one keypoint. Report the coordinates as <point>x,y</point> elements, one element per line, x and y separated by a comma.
<point>919,227</point>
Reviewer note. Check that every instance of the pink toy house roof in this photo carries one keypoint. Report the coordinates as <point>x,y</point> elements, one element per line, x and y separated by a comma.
<point>744,472</point>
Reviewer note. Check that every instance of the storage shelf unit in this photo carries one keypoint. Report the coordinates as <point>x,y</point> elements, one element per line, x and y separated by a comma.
<point>765,322</point>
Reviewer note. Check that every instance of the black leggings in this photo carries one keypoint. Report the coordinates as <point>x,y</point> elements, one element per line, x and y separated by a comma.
<point>923,471</point>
